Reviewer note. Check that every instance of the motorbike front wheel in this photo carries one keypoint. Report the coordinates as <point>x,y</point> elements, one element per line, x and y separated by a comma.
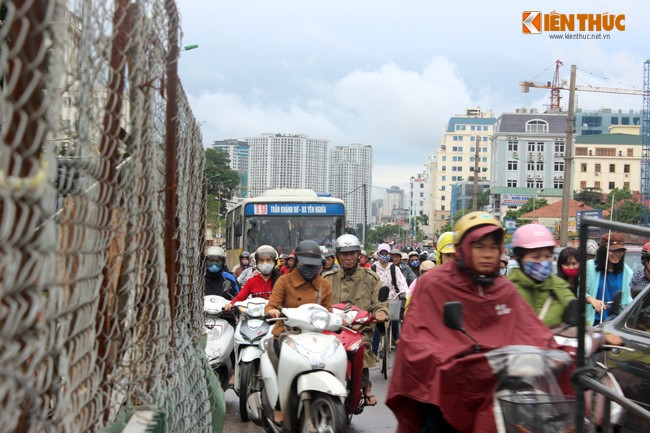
<point>247,383</point>
<point>328,414</point>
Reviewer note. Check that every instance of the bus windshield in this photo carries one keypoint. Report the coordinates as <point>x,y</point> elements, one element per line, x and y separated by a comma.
<point>285,232</point>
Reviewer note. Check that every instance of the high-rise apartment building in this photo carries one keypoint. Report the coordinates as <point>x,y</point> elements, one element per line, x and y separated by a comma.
<point>393,203</point>
<point>455,157</point>
<point>238,152</point>
<point>286,161</point>
<point>599,122</point>
<point>350,168</point>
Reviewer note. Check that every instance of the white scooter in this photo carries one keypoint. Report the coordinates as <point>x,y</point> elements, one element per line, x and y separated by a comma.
<point>308,379</point>
<point>251,335</point>
<point>219,348</point>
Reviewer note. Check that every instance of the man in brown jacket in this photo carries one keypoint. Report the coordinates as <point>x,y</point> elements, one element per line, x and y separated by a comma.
<point>359,287</point>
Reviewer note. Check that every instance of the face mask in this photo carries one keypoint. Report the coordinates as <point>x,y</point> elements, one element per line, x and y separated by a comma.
<point>308,272</point>
<point>538,271</point>
<point>571,273</point>
<point>265,268</point>
<point>214,267</point>
<point>415,263</point>
<point>503,271</point>
<point>384,258</point>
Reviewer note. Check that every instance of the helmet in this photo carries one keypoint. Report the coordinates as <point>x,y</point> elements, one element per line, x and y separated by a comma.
<point>329,252</point>
<point>414,253</point>
<point>364,253</point>
<point>396,252</point>
<point>471,221</point>
<point>645,253</point>
<point>531,236</point>
<point>283,256</point>
<point>308,253</point>
<point>592,247</point>
<point>427,265</point>
<point>215,252</point>
<point>383,247</point>
<point>347,243</point>
<point>266,250</point>
<point>405,256</point>
<point>424,256</point>
<point>446,243</point>
<point>244,255</point>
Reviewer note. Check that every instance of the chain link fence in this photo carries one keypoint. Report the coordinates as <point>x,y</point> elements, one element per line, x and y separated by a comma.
<point>101,219</point>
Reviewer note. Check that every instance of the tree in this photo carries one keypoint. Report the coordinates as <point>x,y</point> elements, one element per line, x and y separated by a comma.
<point>220,179</point>
<point>423,219</point>
<point>382,233</point>
<point>592,197</point>
<point>628,212</point>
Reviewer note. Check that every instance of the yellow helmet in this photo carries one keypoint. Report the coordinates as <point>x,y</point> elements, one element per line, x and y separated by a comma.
<point>471,221</point>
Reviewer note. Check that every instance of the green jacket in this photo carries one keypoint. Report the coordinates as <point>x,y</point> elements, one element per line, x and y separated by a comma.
<point>536,294</point>
<point>360,289</point>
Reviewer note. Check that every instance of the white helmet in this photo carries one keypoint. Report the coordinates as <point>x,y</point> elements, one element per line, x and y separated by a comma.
<point>347,242</point>
<point>267,250</point>
<point>215,252</point>
<point>592,247</point>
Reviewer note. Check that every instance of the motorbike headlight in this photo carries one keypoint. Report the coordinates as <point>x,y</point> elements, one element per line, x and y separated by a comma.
<point>319,319</point>
<point>255,310</point>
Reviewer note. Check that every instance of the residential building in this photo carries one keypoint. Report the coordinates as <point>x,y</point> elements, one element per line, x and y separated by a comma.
<point>350,178</point>
<point>286,161</point>
<point>608,161</point>
<point>528,157</point>
<point>462,195</point>
<point>456,155</point>
<point>419,200</point>
<point>376,211</point>
<point>599,122</point>
<point>393,203</point>
<point>238,152</point>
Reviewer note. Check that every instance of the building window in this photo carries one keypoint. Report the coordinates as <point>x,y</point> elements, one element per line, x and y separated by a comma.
<point>513,145</point>
<point>614,121</point>
<point>597,184</point>
<point>583,184</point>
<point>531,146</point>
<point>443,208</point>
<point>443,187</point>
<point>597,168</point>
<point>531,166</point>
<point>460,148</point>
<point>558,184</point>
<point>612,185</point>
<point>626,185</point>
<point>512,183</point>
<point>453,168</point>
<point>454,158</point>
<point>421,186</point>
<point>472,149</point>
<point>530,184</point>
<point>540,184</point>
<point>540,166</point>
<point>583,167</point>
<point>472,127</point>
<point>612,168</point>
<point>485,128</point>
<point>455,138</point>
<point>559,146</point>
<point>626,168</point>
<point>457,127</point>
<point>442,197</point>
<point>444,178</point>
<point>536,127</point>
<point>558,166</point>
<point>485,159</point>
<point>581,151</point>
<point>630,152</point>
<point>444,158</point>
<point>540,147</point>
<point>604,151</point>
<point>512,165</point>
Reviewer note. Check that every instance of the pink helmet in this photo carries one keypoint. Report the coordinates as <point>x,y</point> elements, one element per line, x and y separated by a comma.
<point>531,236</point>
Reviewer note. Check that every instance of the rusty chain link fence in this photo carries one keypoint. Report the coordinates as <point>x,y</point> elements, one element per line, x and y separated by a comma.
<point>101,219</point>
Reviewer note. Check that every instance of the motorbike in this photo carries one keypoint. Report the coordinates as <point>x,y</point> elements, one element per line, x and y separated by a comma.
<point>308,377</point>
<point>251,335</point>
<point>352,339</point>
<point>220,332</point>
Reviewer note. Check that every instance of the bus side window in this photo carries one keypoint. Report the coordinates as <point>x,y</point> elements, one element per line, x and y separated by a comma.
<point>238,230</point>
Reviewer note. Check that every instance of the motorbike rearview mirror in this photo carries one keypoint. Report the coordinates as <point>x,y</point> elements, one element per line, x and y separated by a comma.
<point>453,318</point>
<point>453,315</point>
<point>383,293</point>
<point>571,314</point>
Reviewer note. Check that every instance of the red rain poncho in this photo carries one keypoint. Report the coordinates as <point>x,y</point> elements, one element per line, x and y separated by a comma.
<point>428,368</point>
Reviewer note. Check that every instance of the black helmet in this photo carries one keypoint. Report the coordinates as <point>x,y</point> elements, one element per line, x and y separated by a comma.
<point>244,255</point>
<point>308,253</point>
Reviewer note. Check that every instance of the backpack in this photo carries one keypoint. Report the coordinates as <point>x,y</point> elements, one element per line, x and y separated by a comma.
<point>392,275</point>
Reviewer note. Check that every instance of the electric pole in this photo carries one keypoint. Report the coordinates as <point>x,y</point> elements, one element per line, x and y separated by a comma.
<point>568,160</point>
<point>476,174</point>
<point>365,215</point>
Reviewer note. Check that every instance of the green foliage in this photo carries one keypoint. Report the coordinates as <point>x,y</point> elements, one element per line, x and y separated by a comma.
<point>220,183</point>
<point>592,197</point>
<point>423,219</point>
<point>628,212</point>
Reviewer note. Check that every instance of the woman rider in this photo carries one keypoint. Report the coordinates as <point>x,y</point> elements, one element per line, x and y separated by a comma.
<point>433,388</point>
<point>548,294</point>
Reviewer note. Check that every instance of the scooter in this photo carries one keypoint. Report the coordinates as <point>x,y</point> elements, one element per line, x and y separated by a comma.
<point>251,335</point>
<point>219,348</point>
<point>352,339</point>
<point>308,378</point>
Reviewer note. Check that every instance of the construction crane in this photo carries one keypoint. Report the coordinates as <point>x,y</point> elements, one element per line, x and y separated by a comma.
<point>556,85</point>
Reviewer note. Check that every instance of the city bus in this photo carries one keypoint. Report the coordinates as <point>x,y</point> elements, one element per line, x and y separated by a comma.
<point>282,218</point>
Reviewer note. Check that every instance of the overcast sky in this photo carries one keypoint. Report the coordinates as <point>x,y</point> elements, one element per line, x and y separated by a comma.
<point>390,73</point>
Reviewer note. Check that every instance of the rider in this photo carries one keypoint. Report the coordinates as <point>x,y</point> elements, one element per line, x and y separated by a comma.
<point>260,284</point>
<point>432,389</point>
<point>445,248</point>
<point>414,263</point>
<point>548,294</point>
<point>244,263</point>
<point>328,263</point>
<point>218,281</point>
<point>363,260</point>
<point>396,258</point>
<point>302,286</point>
<point>359,287</point>
<point>289,265</point>
<point>641,278</point>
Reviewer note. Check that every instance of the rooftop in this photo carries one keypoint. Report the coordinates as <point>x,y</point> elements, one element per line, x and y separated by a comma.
<point>555,210</point>
<point>628,139</point>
